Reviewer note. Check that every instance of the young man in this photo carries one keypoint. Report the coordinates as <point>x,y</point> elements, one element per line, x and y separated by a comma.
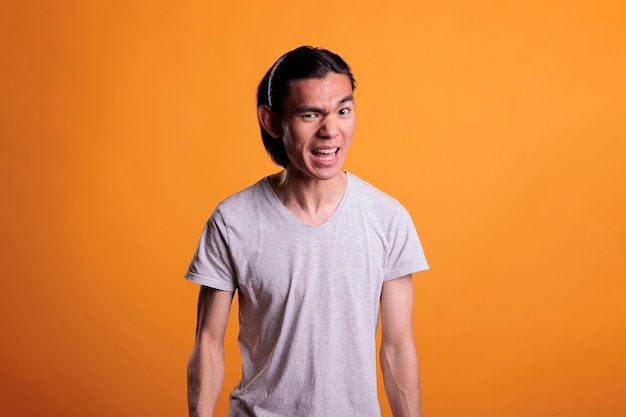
<point>312,252</point>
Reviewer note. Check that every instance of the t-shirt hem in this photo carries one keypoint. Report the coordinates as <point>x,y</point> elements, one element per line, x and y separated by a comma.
<point>209,282</point>
<point>398,273</point>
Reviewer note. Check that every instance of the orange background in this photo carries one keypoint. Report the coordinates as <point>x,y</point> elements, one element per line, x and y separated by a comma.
<point>500,126</point>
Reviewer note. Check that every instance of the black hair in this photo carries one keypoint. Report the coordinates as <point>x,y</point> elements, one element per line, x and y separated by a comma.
<point>302,63</point>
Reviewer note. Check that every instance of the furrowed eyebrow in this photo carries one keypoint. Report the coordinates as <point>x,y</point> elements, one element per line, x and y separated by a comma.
<point>308,109</point>
<point>312,109</point>
<point>346,99</point>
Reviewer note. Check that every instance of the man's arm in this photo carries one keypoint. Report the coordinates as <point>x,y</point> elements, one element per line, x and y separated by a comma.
<point>398,358</point>
<point>205,370</point>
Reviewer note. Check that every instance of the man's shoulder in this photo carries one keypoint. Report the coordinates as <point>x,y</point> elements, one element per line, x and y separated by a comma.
<point>366,192</point>
<point>244,197</point>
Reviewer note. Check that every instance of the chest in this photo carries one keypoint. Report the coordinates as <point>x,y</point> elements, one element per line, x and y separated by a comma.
<point>288,262</point>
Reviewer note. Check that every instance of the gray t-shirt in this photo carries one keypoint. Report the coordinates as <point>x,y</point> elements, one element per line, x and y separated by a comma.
<point>308,296</point>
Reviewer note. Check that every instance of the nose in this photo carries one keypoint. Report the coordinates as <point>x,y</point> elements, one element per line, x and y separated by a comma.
<point>329,128</point>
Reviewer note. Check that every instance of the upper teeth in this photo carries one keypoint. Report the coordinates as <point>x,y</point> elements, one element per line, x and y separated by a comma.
<point>333,150</point>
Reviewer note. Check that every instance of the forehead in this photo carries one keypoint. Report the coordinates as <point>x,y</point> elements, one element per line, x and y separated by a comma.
<point>320,91</point>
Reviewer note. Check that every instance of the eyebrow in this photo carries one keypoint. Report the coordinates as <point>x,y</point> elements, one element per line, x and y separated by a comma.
<point>346,99</point>
<point>312,109</point>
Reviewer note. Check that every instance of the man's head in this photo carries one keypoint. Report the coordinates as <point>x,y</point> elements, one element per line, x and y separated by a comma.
<point>302,63</point>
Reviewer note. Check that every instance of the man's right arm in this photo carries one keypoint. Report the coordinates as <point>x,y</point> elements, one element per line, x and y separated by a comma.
<point>205,370</point>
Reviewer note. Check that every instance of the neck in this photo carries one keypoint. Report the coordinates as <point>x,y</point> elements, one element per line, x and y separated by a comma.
<point>311,200</point>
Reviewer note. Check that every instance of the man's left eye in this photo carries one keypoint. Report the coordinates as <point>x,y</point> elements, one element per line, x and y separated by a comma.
<point>344,111</point>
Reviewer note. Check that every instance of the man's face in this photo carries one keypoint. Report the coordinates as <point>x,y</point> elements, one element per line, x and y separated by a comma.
<point>317,123</point>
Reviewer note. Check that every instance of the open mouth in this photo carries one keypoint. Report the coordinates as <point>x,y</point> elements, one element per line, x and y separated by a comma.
<point>325,154</point>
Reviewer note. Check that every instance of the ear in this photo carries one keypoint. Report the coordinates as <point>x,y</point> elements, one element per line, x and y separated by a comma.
<point>268,121</point>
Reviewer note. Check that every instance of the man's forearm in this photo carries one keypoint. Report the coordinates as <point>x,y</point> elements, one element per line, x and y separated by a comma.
<point>400,375</point>
<point>205,372</point>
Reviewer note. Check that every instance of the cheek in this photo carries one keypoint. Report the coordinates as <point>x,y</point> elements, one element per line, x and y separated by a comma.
<point>349,131</point>
<point>294,146</point>
<point>299,138</point>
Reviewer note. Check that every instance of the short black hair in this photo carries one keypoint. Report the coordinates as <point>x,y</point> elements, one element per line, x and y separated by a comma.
<point>302,63</point>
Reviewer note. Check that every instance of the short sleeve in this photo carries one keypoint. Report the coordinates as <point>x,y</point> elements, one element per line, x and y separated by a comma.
<point>212,264</point>
<point>405,254</point>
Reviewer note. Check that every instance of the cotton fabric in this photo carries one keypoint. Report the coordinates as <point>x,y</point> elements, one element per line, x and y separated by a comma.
<point>308,296</point>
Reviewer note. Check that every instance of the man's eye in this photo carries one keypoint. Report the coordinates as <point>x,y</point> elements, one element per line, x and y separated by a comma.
<point>309,115</point>
<point>344,111</point>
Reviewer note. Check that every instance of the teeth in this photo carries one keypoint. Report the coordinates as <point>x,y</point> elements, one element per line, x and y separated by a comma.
<point>333,150</point>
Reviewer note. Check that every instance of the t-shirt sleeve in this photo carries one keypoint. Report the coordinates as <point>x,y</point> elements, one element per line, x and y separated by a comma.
<point>405,255</point>
<point>212,264</point>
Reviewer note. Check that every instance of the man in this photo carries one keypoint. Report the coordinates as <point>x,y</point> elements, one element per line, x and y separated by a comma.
<point>312,251</point>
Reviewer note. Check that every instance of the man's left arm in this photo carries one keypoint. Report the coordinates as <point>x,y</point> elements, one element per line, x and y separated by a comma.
<point>398,357</point>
